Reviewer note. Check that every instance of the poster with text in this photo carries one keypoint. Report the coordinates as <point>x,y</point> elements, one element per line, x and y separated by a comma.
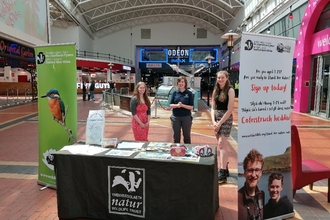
<point>57,104</point>
<point>264,127</point>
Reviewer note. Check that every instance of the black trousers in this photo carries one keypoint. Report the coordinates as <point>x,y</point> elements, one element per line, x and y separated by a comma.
<point>84,95</point>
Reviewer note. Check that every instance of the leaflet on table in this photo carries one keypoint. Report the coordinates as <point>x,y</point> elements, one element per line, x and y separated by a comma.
<point>152,146</point>
<point>84,149</point>
<point>130,145</point>
<point>188,159</point>
<point>166,156</point>
<point>154,156</point>
<point>121,153</point>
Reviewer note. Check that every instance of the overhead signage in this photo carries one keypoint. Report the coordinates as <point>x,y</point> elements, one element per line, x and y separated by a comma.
<point>127,68</point>
<point>178,60</point>
<point>153,65</point>
<point>15,49</point>
<point>177,53</point>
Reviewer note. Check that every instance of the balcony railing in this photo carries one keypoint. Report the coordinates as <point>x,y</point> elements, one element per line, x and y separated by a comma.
<point>102,56</point>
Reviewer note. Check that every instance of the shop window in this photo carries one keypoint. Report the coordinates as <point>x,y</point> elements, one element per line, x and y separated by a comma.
<point>324,20</point>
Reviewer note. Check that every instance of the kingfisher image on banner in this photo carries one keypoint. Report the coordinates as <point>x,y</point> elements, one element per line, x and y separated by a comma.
<point>58,110</point>
<point>57,105</point>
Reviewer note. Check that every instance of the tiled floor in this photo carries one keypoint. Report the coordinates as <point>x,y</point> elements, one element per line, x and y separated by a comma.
<point>21,197</point>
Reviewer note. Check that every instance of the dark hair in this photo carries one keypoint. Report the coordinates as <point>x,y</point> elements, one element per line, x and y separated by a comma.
<point>224,92</point>
<point>185,80</point>
<point>253,156</point>
<point>277,176</point>
<point>145,94</point>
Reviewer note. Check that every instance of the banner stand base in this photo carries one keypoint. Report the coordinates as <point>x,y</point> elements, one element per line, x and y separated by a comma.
<point>45,185</point>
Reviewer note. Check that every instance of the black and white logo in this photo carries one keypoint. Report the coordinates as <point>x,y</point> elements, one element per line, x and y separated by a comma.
<point>281,48</point>
<point>126,191</point>
<point>248,45</point>
<point>41,58</point>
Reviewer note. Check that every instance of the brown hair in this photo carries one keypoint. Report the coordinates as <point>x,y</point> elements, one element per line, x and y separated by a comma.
<point>145,94</point>
<point>185,80</point>
<point>274,176</point>
<point>253,156</point>
<point>224,92</point>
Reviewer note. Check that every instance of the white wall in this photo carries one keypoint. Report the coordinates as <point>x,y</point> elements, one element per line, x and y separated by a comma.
<point>65,35</point>
<point>85,42</point>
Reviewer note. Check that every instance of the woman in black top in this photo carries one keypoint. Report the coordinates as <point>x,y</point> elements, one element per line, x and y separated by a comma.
<point>223,98</point>
<point>182,102</point>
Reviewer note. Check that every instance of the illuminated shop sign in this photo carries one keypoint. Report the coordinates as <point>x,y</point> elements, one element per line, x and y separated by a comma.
<point>153,65</point>
<point>179,60</point>
<point>127,68</point>
<point>97,85</point>
<point>14,49</point>
<point>178,55</point>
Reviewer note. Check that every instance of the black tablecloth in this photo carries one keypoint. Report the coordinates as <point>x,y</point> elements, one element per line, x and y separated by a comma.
<point>109,187</point>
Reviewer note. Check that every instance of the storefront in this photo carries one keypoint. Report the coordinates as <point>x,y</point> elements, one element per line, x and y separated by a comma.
<point>312,53</point>
<point>154,62</point>
<point>17,68</point>
<point>101,72</point>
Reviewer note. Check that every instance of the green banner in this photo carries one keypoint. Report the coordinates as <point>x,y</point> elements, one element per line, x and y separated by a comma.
<point>57,104</point>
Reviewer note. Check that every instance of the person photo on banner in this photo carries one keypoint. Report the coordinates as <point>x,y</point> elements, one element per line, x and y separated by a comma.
<point>140,108</point>
<point>182,102</point>
<point>222,105</point>
<point>251,199</point>
<point>277,205</point>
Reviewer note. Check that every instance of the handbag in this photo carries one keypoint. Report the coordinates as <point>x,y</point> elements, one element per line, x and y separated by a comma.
<point>178,150</point>
<point>203,151</point>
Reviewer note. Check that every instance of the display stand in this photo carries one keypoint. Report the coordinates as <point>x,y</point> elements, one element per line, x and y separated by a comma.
<point>95,127</point>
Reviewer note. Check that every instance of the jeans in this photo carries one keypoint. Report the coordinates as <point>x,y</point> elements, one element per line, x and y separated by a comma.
<point>92,95</point>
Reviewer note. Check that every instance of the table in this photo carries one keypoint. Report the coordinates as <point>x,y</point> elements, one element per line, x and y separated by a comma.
<point>113,187</point>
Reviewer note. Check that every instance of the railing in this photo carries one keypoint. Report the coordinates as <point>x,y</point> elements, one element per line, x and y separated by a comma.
<point>14,96</point>
<point>102,56</point>
<point>111,98</point>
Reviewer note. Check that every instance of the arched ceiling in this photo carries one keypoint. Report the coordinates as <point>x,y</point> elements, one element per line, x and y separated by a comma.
<point>105,17</point>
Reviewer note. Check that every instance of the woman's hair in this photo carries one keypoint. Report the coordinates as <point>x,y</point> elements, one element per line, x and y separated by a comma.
<point>185,81</point>
<point>253,156</point>
<point>145,94</point>
<point>224,92</point>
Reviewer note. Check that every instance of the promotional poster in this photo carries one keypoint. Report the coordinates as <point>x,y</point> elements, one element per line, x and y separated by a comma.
<point>264,120</point>
<point>57,104</point>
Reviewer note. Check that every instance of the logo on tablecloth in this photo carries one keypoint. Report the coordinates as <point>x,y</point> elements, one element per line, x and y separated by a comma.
<point>126,191</point>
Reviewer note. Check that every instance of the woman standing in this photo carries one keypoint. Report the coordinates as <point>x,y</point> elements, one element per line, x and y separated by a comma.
<point>182,102</point>
<point>223,98</point>
<point>140,108</point>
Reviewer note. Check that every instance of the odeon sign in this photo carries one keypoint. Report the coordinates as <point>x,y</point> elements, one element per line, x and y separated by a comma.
<point>97,85</point>
<point>178,53</point>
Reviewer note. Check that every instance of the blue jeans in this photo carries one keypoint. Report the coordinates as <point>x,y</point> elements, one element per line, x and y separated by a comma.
<point>92,94</point>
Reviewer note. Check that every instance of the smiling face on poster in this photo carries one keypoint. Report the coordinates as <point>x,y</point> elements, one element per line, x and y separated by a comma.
<point>264,113</point>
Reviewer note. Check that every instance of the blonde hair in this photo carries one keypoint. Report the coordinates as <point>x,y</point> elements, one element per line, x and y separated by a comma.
<point>145,94</point>
<point>224,91</point>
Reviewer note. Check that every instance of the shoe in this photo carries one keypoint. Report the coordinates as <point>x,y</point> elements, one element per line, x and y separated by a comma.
<point>222,176</point>
<point>227,170</point>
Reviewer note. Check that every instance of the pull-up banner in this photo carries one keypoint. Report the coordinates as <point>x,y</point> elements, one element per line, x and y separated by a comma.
<point>264,122</point>
<point>57,104</point>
